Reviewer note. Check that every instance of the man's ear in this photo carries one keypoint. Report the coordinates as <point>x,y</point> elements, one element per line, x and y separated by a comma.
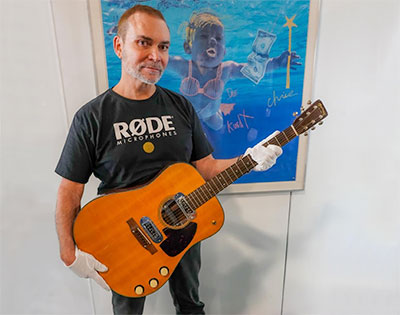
<point>117,44</point>
<point>187,48</point>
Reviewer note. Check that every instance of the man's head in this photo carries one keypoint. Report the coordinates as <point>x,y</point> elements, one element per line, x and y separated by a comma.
<point>123,21</point>
<point>142,44</point>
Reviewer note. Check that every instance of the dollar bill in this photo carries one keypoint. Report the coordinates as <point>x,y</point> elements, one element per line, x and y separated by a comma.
<point>255,67</point>
<point>257,60</point>
<point>263,42</point>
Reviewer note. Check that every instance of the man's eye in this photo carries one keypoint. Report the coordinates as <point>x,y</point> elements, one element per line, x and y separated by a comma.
<point>164,47</point>
<point>142,43</point>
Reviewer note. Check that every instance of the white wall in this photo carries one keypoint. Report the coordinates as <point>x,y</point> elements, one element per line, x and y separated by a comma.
<point>343,245</point>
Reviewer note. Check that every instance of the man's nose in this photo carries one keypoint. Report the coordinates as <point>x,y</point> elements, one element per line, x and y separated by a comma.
<point>154,54</point>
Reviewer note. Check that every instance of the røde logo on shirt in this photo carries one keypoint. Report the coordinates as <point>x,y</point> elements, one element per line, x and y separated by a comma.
<point>144,129</point>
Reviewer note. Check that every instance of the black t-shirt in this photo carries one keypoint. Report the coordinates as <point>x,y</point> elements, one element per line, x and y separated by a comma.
<point>127,142</point>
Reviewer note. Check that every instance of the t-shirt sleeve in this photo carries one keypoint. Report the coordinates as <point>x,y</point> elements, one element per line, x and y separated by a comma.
<point>201,145</point>
<point>77,157</point>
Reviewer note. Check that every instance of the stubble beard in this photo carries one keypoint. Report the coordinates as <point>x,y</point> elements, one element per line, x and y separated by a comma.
<point>135,73</point>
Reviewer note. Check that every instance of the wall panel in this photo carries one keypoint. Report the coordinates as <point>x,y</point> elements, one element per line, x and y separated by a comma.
<point>344,230</point>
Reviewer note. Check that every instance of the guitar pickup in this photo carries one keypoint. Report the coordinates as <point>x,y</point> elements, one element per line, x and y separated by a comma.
<point>150,228</point>
<point>140,236</point>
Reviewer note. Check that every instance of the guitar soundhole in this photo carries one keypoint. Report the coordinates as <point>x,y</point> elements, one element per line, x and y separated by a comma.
<point>172,215</point>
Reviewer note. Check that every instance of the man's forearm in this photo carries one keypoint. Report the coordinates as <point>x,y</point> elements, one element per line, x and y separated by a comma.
<point>68,205</point>
<point>208,167</point>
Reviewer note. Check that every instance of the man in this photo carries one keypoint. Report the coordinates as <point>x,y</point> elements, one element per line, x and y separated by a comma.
<point>113,137</point>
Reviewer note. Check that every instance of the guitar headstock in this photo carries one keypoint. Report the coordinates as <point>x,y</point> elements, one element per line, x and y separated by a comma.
<point>312,115</point>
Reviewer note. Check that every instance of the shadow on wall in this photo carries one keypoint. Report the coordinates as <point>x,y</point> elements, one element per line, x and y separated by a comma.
<point>233,271</point>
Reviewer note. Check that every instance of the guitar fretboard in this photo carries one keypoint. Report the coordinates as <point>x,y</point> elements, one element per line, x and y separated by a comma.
<point>244,165</point>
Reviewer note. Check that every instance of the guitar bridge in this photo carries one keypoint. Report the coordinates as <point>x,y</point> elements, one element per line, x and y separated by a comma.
<point>141,237</point>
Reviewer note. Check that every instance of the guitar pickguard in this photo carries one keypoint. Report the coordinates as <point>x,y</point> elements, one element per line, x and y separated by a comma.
<point>178,240</point>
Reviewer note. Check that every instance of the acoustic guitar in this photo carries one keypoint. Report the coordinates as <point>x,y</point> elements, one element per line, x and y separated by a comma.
<point>141,234</point>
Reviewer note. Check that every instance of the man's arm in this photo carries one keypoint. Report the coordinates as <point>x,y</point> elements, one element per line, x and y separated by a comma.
<point>208,167</point>
<point>68,205</point>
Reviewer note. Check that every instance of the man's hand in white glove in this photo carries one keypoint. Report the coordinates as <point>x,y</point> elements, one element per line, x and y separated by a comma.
<point>86,266</point>
<point>264,156</point>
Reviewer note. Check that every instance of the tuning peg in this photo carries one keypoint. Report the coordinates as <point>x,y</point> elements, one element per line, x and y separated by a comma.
<point>309,102</point>
<point>320,123</point>
<point>306,134</point>
<point>312,128</point>
<point>302,108</point>
<point>295,114</point>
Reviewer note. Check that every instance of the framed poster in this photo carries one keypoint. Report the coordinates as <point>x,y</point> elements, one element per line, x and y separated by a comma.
<point>246,66</point>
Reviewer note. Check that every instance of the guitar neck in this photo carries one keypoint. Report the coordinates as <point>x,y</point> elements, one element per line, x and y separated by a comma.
<point>314,114</point>
<point>244,165</point>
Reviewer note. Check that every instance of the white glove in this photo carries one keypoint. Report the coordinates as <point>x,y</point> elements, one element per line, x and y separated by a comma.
<point>264,156</point>
<point>86,266</point>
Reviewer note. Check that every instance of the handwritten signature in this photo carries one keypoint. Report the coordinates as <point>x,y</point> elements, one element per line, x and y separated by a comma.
<point>274,100</point>
<point>231,92</point>
<point>240,123</point>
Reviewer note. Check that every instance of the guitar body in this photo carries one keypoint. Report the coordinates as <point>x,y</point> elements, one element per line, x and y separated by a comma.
<point>130,231</point>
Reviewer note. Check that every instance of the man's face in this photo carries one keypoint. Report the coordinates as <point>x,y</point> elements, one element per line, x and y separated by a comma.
<point>144,51</point>
<point>208,48</point>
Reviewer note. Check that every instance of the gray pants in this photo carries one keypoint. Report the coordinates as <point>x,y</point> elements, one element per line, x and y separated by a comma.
<point>183,285</point>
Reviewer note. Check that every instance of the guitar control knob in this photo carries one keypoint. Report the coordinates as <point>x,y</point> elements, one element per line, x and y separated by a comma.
<point>164,271</point>
<point>139,290</point>
<point>153,283</point>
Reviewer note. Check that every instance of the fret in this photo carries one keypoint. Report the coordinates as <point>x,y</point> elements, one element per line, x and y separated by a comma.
<point>222,181</point>
<point>205,192</point>
<point>190,202</point>
<point>291,133</point>
<point>217,177</point>
<point>201,195</point>
<point>233,172</point>
<point>273,141</point>
<point>250,163</point>
<point>230,178</point>
<point>284,133</point>
<point>244,164</point>
<point>208,191</point>
<point>223,177</point>
<point>196,203</point>
<point>211,189</point>
<point>195,197</point>
<point>294,130</point>
<point>236,170</point>
<point>282,139</point>
<point>277,140</point>
<point>215,188</point>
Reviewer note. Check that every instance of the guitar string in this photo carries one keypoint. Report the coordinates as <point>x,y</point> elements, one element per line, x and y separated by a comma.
<point>226,176</point>
<point>229,175</point>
